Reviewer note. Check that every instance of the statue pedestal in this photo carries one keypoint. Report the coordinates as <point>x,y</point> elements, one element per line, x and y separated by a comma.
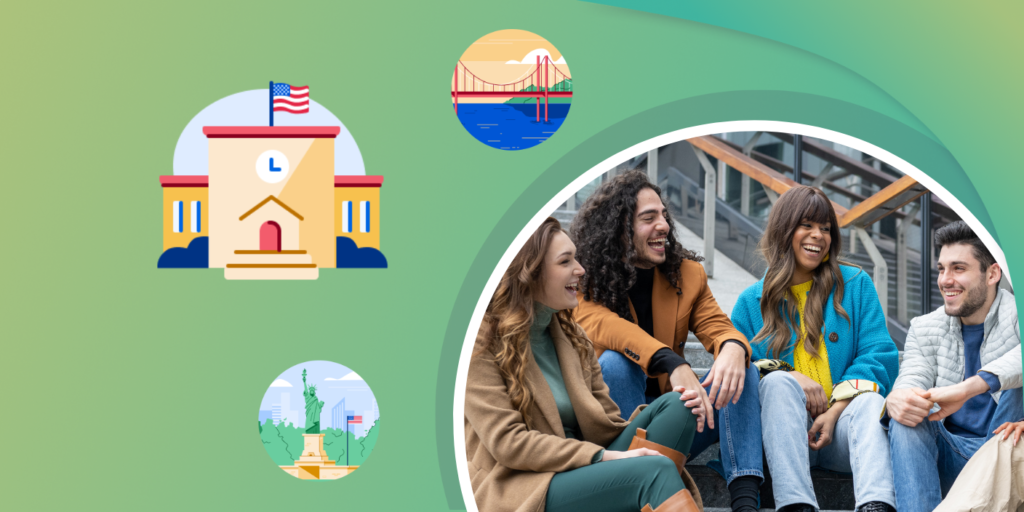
<point>313,450</point>
<point>313,463</point>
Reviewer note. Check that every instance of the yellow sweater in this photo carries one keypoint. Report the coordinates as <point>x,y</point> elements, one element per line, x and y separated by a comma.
<point>814,367</point>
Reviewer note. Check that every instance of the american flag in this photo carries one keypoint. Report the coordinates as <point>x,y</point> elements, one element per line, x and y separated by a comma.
<point>354,420</point>
<point>291,99</point>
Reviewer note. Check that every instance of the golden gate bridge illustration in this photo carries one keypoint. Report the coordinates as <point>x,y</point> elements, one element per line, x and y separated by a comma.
<point>543,81</point>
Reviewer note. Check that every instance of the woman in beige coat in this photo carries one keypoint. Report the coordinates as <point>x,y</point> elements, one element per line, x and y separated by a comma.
<point>541,430</point>
<point>993,480</point>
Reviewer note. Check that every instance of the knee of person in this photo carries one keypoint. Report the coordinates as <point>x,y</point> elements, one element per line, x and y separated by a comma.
<point>615,365</point>
<point>777,381</point>
<point>1016,394</point>
<point>753,375</point>
<point>673,400</point>
<point>673,397</point>
<point>870,404</point>
<point>661,467</point>
<point>899,431</point>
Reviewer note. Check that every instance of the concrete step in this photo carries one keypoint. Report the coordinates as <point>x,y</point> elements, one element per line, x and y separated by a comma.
<point>696,355</point>
<point>725,509</point>
<point>833,491</point>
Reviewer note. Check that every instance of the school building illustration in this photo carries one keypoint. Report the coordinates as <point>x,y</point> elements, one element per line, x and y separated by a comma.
<point>271,207</point>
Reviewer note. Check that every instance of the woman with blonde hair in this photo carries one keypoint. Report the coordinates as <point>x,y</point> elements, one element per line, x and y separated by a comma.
<point>541,430</point>
<point>819,336</point>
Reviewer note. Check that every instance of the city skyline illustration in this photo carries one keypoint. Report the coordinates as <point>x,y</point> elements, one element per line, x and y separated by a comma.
<point>283,400</point>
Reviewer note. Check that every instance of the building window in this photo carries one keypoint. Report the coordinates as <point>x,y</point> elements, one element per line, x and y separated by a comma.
<point>364,216</point>
<point>197,217</point>
<point>178,217</point>
<point>346,216</point>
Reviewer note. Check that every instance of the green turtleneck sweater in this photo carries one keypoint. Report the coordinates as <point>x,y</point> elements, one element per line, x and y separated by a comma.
<point>544,353</point>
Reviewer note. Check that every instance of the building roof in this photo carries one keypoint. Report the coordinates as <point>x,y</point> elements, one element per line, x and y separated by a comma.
<point>185,181</point>
<point>267,200</point>
<point>339,181</point>
<point>358,181</point>
<point>271,132</point>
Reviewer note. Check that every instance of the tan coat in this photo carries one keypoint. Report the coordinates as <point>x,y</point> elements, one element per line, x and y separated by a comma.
<point>992,481</point>
<point>675,315</point>
<point>511,466</point>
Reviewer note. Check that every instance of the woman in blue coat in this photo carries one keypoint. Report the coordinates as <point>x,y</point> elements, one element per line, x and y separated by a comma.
<point>819,336</point>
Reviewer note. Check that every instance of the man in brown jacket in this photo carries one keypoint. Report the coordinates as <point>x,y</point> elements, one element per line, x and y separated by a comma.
<point>641,296</point>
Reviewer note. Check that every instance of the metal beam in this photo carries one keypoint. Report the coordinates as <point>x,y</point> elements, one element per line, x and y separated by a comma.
<point>749,146</point>
<point>825,175</point>
<point>881,274</point>
<point>882,203</point>
<point>902,268</point>
<point>926,253</point>
<point>744,179</point>
<point>709,211</point>
<point>770,178</point>
<point>862,169</point>
<point>745,194</point>
<point>652,165</point>
<point>798,159</point>
<point>723,179</point>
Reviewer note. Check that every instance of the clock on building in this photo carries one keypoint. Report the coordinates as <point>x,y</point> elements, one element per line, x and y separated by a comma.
<point>272,166</point>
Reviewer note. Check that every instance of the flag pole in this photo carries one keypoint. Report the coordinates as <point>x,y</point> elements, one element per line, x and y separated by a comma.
<point>271,91</point>
<point>346,439</point>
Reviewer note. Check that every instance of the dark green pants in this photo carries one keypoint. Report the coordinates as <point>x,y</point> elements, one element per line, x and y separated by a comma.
<point>627,485</point>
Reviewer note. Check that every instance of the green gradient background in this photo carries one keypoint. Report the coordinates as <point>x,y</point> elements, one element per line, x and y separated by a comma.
<point>132,388</point>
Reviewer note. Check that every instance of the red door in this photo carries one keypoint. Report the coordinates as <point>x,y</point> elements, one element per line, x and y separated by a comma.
<point>270,236</point>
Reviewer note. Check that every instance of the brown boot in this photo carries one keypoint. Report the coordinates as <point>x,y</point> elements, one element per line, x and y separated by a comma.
<point>640,441</point>
<point>679,502</point>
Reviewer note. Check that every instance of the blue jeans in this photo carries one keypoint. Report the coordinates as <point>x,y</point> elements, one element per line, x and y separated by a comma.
<point>737,426</point>
<point>928,458</point>
<point>859,445</point>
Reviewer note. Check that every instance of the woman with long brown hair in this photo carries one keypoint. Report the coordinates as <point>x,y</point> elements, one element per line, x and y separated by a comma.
<point>819,336</point>
<point>541,430</point>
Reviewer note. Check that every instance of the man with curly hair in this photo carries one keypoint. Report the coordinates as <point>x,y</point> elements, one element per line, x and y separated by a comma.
<point>641,296</point>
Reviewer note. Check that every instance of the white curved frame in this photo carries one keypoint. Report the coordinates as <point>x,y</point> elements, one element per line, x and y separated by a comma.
<point>458,417</point>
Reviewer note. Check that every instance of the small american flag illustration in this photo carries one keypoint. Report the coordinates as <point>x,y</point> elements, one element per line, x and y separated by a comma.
<point>292,99</point>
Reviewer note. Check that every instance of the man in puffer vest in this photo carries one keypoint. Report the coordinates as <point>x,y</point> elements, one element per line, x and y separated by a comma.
<point>960,377</point>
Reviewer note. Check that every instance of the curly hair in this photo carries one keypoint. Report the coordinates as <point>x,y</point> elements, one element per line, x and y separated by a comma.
<point>603,232</point>
<point>505,331</point>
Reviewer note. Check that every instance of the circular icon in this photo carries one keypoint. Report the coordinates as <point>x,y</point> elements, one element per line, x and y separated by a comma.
<point>318,420</point>
<point>511,89</point>
<point>272,166</point>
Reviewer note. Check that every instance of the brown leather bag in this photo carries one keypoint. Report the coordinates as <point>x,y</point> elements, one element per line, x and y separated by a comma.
<point>640,441</point>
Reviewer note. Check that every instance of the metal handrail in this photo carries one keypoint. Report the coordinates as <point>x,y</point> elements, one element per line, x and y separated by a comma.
<point>722,208</point>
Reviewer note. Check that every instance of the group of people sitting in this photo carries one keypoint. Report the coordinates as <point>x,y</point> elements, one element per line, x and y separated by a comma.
<point>579,396</point>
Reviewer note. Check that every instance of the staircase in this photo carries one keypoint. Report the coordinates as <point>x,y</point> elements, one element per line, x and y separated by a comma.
<point>255,264</point>
<point>915,287</point>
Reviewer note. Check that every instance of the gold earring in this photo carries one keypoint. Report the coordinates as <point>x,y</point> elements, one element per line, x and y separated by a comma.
<point>826,259</point>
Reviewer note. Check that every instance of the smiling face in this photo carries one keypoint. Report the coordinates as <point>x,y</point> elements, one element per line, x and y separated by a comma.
<point>560,274</point>
<point>964,284</point>
<point>811,242</point>
<point>650,229</point>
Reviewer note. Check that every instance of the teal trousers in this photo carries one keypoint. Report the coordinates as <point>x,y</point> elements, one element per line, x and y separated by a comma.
<point>626,485</point>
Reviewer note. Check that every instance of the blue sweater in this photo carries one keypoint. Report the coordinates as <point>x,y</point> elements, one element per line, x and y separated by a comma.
<point>863,348</point>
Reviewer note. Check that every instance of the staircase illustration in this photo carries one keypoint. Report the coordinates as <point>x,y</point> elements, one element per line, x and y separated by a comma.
<point>256,264</point>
